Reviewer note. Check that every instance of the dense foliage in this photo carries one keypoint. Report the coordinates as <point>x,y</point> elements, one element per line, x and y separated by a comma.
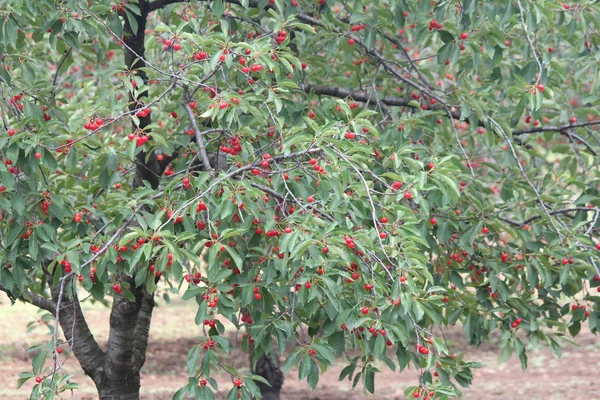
<point>325,176</point>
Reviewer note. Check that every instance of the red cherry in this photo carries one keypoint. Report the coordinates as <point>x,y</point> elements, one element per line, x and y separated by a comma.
<point>38,379</point>
<point>384,220</point>
<point>464,35</point>
<point>365,310</point>
<point>77,217</point>
<point>368,286</point>
<point>308,285</point>
<point>351,42</point>
<point>237,383</point>
<point>382,235</point>
<point>350,135</point>
<point>407,195</point>
<point>11,132</point>
<point>38,155</point>
<point>485,230</point>
<point>433,221</point>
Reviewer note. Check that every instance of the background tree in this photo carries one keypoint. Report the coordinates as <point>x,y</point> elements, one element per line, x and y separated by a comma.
<point>356,174</point>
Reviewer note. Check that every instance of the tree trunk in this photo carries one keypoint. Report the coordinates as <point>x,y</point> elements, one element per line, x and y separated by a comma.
<point>266,368</point>
<point>126,388</point>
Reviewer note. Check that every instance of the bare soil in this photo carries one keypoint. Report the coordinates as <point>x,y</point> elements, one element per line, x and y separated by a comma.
<point>574,376</point>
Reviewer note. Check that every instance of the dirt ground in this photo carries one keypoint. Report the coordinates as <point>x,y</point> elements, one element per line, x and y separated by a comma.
<point>173,333</point>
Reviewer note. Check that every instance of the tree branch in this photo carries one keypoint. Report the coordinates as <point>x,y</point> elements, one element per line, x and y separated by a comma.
<point>77,332</point>
<point>358,96</point>
<point>32,298</point>
<point>556,212</point>
<point>206,166</point>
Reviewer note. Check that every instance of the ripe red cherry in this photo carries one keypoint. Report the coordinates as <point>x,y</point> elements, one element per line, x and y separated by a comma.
<point>350,135</point>
<point>382,235</point>
<point>77,217</point>
<point>312,352</point>
<point>38,155</point>
<point>573,120</point>
<point>397,185</point>
<point>368,286</point>
<point>310,199</point>
<point>237,383</point>
<point>550,49</point>
<point>11,132</point>
<point>407,195</point>
<point>351,42</point>
<point>38,379</point>
<point>257,296</point>
<point>541,87</point>
<point>288,230</point>
<point>464,35</point>
<point>308,285</point>
<point>365,310</point>
<point>433,221</point>
<point>312,161</point>
<point>384,220</point>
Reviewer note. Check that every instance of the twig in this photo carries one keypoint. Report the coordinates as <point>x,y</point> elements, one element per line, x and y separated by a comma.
<point>199,140</point>
<point>537,194</point>
<point>533,50</point>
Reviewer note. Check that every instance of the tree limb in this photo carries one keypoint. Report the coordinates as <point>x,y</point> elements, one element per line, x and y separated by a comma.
<point>32,298</point>
<point>206,166</point>
<point>76,331</point>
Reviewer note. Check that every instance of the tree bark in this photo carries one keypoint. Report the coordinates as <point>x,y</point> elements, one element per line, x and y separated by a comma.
<point>269,370</point>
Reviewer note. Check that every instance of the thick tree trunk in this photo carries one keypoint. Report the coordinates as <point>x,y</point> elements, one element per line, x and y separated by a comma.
<point>266,368</point>
<point>127,388</point>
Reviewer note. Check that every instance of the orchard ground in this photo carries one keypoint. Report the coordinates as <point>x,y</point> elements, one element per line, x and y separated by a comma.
<point>174,331</point>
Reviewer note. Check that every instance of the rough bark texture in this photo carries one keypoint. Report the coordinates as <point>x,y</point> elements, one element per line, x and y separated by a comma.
<point>77,332</point>
<point>267,368</point>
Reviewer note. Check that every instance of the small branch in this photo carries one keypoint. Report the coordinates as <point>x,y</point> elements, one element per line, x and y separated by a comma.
<point>537,194</point>
<point>60,64</point>
<point>280,197</point>
<point>232,174</point>
<point>199,140</point>
<point>556,212</point>
<point>558,128</point>
<point>531,46</point>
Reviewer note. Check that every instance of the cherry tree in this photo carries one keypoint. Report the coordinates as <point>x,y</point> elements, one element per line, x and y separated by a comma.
<point>318,177</point>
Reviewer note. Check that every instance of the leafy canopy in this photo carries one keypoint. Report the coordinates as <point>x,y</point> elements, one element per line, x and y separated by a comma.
<point>385,169</point>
